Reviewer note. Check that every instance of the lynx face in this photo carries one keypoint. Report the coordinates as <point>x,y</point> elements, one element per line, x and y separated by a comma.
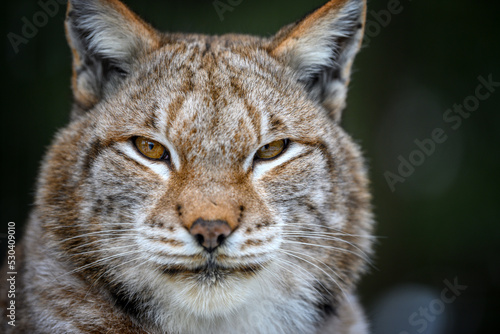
<point>203,176</point>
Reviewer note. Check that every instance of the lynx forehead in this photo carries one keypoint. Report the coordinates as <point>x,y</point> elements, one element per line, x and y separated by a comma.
<point>203,185</point>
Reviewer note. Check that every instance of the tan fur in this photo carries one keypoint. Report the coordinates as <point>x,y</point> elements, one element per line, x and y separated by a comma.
<point>286,42</point>
<point>108,247</point>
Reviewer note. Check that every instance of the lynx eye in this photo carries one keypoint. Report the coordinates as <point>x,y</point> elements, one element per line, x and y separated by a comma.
<point>271,150</point>
<point>150,148</point>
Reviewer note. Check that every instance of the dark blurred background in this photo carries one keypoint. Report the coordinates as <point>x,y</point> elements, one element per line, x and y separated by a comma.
<point>438,216</point>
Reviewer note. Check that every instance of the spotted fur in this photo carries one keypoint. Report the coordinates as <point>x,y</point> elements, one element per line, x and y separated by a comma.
<point>108,248</point>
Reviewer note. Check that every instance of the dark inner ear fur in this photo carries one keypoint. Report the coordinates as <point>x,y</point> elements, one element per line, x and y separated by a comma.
<point>317,82</point>
<point>320,84</point>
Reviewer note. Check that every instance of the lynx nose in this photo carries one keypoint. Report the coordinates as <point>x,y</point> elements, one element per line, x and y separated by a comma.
<point>210,233</point>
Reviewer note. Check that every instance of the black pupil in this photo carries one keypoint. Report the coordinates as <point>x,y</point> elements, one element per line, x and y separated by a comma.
<point>266,147</point>
<point>151,146</point>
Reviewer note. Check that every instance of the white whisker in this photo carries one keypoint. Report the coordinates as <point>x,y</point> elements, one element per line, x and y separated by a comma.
<point>288,252</point>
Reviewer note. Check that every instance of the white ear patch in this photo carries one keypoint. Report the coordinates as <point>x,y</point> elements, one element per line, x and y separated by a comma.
<point>108,29</point>
<point>106,38</point>
<point>321,49</point>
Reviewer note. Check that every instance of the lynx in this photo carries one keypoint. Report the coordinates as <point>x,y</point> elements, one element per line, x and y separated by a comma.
<point>203,184</point>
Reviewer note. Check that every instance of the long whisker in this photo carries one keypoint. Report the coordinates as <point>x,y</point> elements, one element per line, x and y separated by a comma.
<point>304,228</point>
<point>361,256</point>
<point>288,252</point>
<point>107,224</point>
<point>297,235</point>
<point>343,234</point>
<point>102,250</point>
<point>303,270</point>
<point>114,267</point>
<point>107,240</point>
<point>99,233</point>
<point>98,261</point>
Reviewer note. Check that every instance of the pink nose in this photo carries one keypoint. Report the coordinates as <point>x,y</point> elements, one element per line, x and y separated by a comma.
<point>210,234</point>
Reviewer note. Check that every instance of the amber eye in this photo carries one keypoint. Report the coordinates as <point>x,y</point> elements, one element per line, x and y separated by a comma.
<point>150,148</point>
<point>271,150</point>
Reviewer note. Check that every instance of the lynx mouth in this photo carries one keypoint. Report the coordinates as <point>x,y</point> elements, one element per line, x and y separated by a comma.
<point>212,270</point>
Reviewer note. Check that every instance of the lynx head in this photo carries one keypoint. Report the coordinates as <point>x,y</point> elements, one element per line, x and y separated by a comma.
<point>205,173</point>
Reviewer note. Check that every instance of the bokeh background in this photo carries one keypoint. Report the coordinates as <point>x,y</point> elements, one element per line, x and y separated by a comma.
<point>439,227</point>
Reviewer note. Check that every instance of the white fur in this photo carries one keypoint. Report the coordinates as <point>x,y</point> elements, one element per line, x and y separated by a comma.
<point>253,306</point>
<point>318,48</point>
<point>263,167</point>
<point>104,36</point>
<point>159,167</point>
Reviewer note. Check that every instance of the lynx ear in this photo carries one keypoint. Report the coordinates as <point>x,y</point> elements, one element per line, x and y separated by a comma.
<point>105,38</point>
<point>321,48</point>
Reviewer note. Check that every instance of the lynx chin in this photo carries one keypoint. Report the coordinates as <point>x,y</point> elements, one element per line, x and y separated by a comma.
<point>203,184</point>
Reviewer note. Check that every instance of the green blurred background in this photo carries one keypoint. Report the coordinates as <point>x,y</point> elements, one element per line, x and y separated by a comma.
<point>441,223</point>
